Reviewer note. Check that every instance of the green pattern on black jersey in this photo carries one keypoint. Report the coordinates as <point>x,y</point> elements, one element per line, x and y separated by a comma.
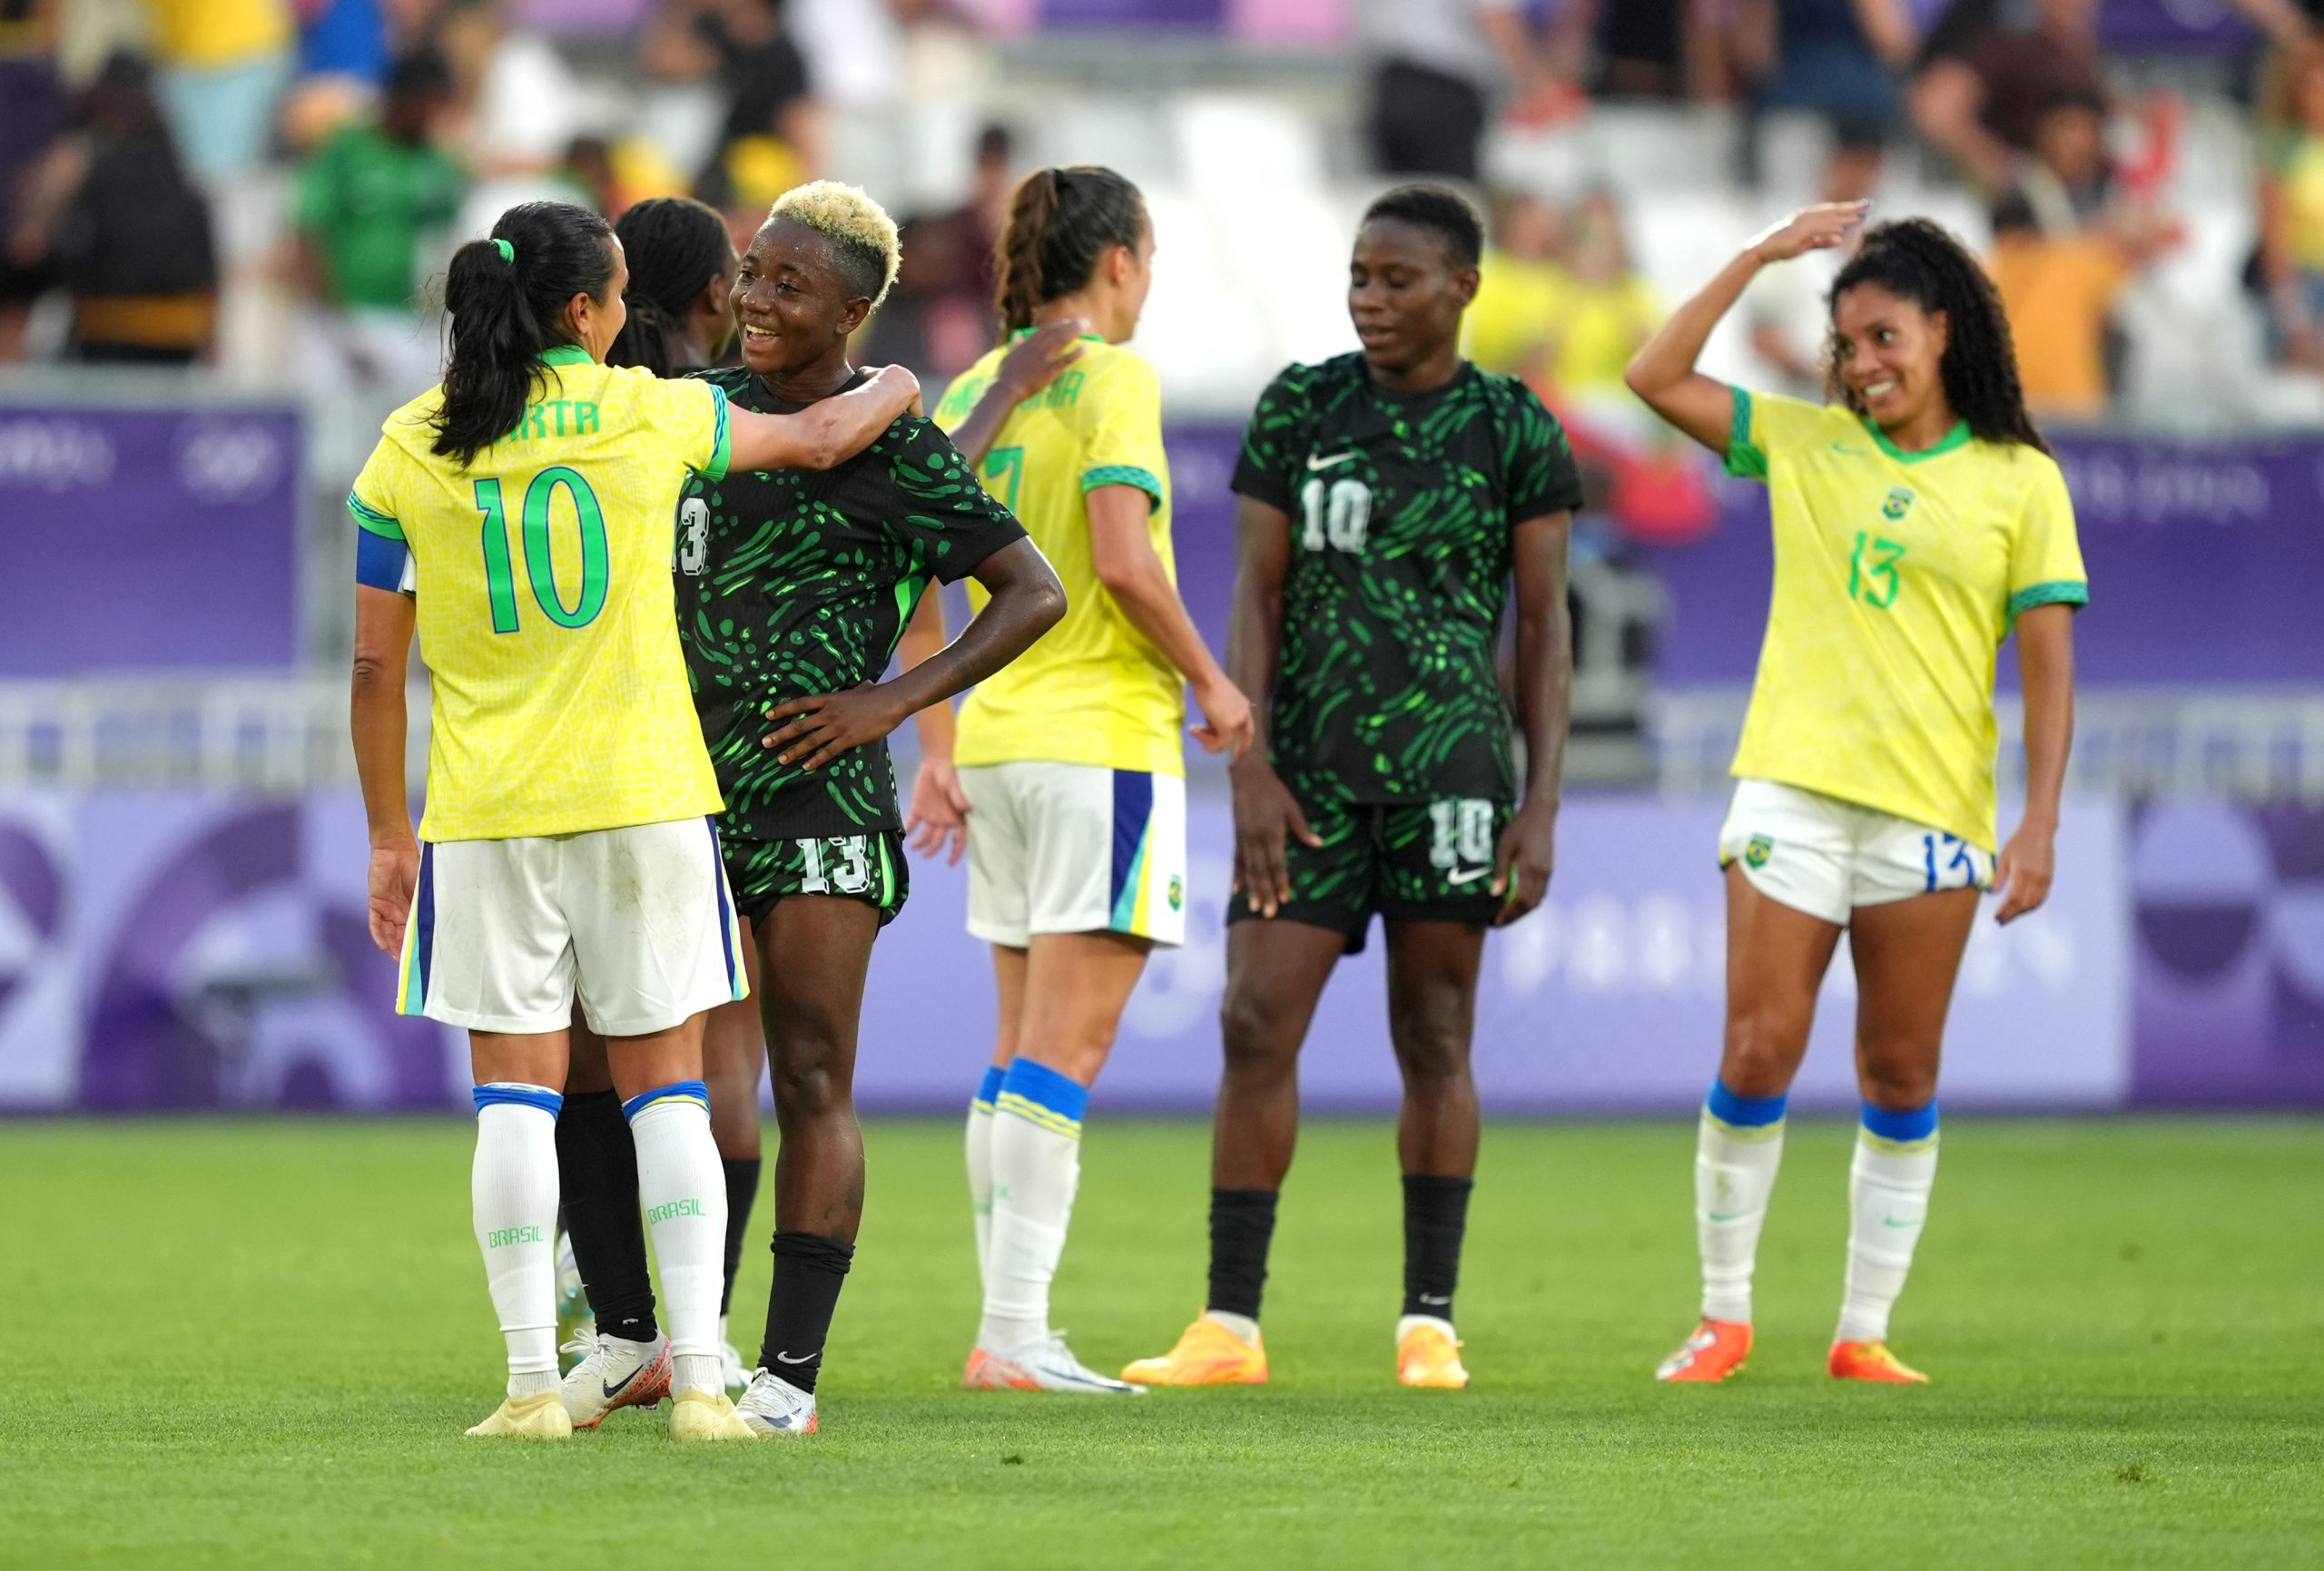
<point>1400,506</point>
<point>797,582</point>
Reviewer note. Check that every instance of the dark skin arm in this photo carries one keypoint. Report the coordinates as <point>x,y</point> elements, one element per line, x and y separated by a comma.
<point>1266,812</point>
<point>2045,671</point>
<point>1528,848</point>
<point>1027,601</point>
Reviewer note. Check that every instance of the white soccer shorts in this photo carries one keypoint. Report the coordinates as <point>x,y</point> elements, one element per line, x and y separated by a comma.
<point>1071,848</point>
<point>1825,856</point>
<point>636,921</point>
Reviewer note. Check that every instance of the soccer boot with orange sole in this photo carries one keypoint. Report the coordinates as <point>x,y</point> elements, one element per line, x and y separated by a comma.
<point>1871,1361</point>
<point>1712,1352</point>
<point>1428,1355</point>
<point>1207,1354</point>
<point>614,1372</point>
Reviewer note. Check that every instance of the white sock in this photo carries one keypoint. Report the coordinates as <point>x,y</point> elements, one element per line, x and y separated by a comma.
<point>980,1154</point>
<point>512,1189</point>
<point>1735,1172</point>
<point>683,1188</point>
<point>1407,1324</point>
<point>1245,1328</point>
<point>1888,1189</point>
<point>1036,1168</point>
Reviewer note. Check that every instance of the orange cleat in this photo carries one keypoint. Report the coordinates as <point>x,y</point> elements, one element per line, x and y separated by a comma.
<point>1716,1349</point>
<point>1207,1354</point>
<point>1872,1362</point>
<point>1429,1356</point>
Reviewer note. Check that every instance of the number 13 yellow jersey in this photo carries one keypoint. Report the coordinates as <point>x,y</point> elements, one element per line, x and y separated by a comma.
<point>1897,577</point>
<point>545,615</point>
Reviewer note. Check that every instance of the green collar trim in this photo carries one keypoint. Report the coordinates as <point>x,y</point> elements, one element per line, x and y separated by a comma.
<point>1956,437</point>
<point>1029,332</point>
<point>565,354</point>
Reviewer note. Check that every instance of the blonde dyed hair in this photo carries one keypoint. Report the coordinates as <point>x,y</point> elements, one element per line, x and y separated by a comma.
<point>848,216</point>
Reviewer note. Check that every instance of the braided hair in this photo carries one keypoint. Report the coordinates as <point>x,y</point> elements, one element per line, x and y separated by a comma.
<point>1061,222</point>
<point>1916,260</point>
<point>676,246</point>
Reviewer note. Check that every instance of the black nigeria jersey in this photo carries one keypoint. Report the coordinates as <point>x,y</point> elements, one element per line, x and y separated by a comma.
<point>1400,508</point>
<point>797,582</point>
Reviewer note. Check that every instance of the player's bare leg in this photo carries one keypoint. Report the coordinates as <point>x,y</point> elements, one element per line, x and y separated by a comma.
<point>1275,973</point>
<point>1907,954</point>
<point>1432,1018</point>
<point>1776,959</point>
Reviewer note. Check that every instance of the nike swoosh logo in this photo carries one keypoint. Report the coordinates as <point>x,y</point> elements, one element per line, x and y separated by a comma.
<point>787,1358</point>
<point>623,1384</point>
<point>1426,1298</point>
<point>1851,452</point>
<point>1469,877</point>
<point>1897,1222</point>
<point>1727,1215</point>
<point>1316,464</point>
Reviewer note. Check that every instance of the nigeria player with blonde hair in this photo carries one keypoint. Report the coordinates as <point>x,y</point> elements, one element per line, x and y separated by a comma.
<point>518,518</point>
<point>1069,763</point>
<point>1919,522</point>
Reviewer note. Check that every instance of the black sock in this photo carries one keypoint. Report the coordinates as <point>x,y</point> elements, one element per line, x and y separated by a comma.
<point>596,1167</point>
<point>741,1188</point>
<point>808,1272</point>
<point>1436,1215</point>
<point>1242,1225</point>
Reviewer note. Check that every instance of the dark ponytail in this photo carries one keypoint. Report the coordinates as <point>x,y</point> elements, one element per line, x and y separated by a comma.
<point>675,245</point>
<point>1915,260</point>
<point>1060,222</point>
<point>507,309</point>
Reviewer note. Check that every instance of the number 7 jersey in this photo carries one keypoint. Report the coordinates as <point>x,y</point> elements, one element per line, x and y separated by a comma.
<point>545,607</point>
<point>1896,577</point>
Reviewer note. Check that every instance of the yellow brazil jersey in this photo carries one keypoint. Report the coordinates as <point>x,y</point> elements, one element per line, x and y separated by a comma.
<point>545,615</point>
<point>1896,577</point>
<point>1095,690</point>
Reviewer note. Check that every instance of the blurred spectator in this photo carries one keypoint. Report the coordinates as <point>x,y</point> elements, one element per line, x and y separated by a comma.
<point>33,115</point>
<point>1638,48</point>
<point>1508,327</point>
<point>1605,312</point>
<point>2291,217</point>
<point>1985,78</point>
<point>115,213</point>
<point>1436,65</point>
<point>224,65</point>
<point>520,104</point>
<point>939,319</point>
<point>1788,308</point>
<point>1836,58</point>
<point>343,58</point>
<point>371,191</point>
<point>772,135</point>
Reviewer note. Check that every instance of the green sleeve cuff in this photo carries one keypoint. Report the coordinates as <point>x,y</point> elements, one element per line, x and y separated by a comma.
<point>721,446</point>
<point>1122,474</point>
<point>2057,592</point>
<point>372,519</point>
<point>1744,461</point>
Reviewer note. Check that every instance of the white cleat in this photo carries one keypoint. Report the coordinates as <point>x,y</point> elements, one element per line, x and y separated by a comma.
<point>1044,1366</point>
<point>575,1318</point>
<point>731,1367</point>
<point>611,1373</point>
<point>534,1417</point>
<point>706,1415</point>
<point>774,1405</point>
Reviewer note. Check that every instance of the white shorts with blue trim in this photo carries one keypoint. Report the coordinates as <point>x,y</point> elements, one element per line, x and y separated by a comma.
<point>636,922</point>
<point>1074,847</point>
<point>1827,857</point>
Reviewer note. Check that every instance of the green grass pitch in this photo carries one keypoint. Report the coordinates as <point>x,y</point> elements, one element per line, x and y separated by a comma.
<point>256,1344</point>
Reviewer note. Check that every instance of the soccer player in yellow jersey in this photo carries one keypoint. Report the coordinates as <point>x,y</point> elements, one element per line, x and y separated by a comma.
<point>1919,521</point>
<point>1069,760</point>
<point>519,517</point>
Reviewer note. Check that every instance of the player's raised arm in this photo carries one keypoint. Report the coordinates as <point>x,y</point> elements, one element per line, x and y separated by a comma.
<point>826,433</point>
<point>1663,373</point>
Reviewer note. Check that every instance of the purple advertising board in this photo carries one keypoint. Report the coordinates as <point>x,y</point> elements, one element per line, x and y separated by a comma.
<point>134,539</point>
<point>186,952</point>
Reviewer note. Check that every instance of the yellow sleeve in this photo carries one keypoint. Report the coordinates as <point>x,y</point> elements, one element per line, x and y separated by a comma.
<point>372,500</point>
<point>959,400</point>
<point>690,415</point>
<point>1765,424</point>
<point>1121,430</point>
<point>2044,554</point>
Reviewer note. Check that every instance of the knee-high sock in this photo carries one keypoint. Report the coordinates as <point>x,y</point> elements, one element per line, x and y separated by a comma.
<point>513,1190</point>
<point>1036,1167</point>
<point>980,1154</point>
<point>596,1165</point>
<point>1888,1189</point>
<point>684,1192</point>
<point>1736,1152</point>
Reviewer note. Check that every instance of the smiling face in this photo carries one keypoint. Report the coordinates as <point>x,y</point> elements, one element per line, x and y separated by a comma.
<point>1405,294</point>
<point>792,301</point>
<point>1890,354</point>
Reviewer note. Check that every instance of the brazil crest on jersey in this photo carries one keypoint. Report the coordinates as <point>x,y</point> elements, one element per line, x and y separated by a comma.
<point>1400,508</point>
<point>798,583</point>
